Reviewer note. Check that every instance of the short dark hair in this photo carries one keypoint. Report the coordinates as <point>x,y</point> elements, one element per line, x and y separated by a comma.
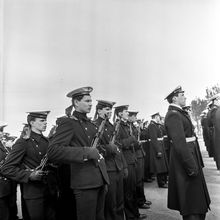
<point>30,118</point>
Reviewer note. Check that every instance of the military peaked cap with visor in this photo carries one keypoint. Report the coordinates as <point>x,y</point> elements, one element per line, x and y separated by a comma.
<point>176,91</point>
<point>121,108</point>
<point>155,114</point>
<point>131,113</point>
<point>39,114</point>
<point>215,97</point>
<point>2,126</point>
<point>80,91</point>
<point>104,104</point>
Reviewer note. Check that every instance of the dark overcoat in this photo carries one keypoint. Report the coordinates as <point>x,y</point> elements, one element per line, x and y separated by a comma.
<point>157,164</point>
<point>5,184</point>
<point>187,194</point>
<point>216,135</point>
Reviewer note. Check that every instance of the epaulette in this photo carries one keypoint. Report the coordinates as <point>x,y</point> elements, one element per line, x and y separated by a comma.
<point>174,111</point>
<point>26,137</point>
<point>73,117</point>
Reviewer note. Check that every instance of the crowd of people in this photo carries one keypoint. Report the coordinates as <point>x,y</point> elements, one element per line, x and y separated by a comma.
<point>95,170</point>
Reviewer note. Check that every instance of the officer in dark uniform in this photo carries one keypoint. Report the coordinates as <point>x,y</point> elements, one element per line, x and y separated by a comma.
<point>72,144</point>
<point>211,111</point>
<point>146,147</point>
<point>127,141</point>
<point>187,190</point>
<point>204,124</point>
<point>159,164</point>
<point>166,140</point>
<point>214,122</point>
<point>139,152</point>
<point>115,162</point>
<point>23,164</point>
<point>8,206</point>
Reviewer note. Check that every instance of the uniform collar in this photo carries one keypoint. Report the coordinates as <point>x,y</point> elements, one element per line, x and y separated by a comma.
<point>36,136</point>
<point>177,106</point>
<point>81,116</point>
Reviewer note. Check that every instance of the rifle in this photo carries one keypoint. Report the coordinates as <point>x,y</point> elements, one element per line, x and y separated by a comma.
<point>115,133</point>
<point>43,163</point>
<point>98,136</point>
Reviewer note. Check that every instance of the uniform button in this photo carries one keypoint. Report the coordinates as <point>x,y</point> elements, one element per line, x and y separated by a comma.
<point>108,135</point>
<point>88,136</point>
<point>36,145</point>
<point>40,153</point>
<point>86,128</point>
<point>106,129</point>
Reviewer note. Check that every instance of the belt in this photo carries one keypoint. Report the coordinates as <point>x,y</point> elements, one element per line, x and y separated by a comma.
<point>190,139</point>
<point>159,139</point>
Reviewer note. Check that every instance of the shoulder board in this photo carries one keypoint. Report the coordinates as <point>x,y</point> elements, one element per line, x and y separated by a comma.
<point>26,137</point>
<point>174,111</point>
<point>73,117</point>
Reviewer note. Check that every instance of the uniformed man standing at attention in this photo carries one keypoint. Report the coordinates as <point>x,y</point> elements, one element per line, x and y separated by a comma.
<point>23,165</point>
<point>72,144</point>
<point>127,141</point>
<point>115,162</point>
<point>158,163</point>
<point>187,190</point>
<point>8,206</point>
<point>139,152</point>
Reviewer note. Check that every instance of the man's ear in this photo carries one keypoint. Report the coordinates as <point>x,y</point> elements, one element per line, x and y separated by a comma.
<point>75,102</point>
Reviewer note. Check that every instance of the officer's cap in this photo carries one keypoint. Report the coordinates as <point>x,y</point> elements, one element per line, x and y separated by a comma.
<point>103,104</point>
<point>131,113</point>
<point>39,114</point>
<point>155,114</point>
<point>2,126</point>
<point>177,90</point>
<point>121,108</point>
<point>214,97</point>
<point>80,91</point>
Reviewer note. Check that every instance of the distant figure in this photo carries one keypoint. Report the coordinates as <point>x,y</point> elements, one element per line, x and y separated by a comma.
<point>187,190</point>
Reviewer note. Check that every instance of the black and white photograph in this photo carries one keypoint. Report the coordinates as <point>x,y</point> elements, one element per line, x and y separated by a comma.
<point>110,109</point>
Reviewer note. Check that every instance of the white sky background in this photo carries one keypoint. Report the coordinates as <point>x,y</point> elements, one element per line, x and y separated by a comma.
<point>130,51</point>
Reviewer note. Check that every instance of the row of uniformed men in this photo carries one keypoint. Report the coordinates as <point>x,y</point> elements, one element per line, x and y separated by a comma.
<point>83,173</point>
<point>210,122</point>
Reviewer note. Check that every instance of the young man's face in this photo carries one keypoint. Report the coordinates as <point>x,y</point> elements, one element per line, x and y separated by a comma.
<point>107,111</point>
<point>1,135</point>
<point>84,105</point>
<point>124,114</point>
<point>39,124</point>
<point>180,99</point>
<point>132,118</point>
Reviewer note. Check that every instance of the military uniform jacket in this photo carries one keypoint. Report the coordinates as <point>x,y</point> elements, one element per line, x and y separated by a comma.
<point>216,136</point>
<point>127,141</point>
<point>114,162</point>
<point>157,164</point>
<point>186,193</point>
<point>139,152</point>
<point>5,184</point>
<point>67,146</point>
<point>26,155</point>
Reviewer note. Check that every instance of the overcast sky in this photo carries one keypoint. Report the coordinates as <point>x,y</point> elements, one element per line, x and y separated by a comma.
<point>130,51</point>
